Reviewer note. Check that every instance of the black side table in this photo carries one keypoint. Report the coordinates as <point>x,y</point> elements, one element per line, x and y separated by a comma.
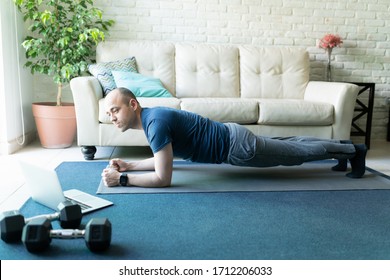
<point>364,109</point>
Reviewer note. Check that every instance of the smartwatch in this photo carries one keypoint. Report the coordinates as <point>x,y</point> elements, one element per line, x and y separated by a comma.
<point>123,179</point>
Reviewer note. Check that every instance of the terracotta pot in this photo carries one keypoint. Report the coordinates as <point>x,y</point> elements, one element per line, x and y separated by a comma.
<point>56,125</point>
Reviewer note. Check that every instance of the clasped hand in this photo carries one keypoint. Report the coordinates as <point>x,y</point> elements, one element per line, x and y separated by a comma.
<point>111,174</point>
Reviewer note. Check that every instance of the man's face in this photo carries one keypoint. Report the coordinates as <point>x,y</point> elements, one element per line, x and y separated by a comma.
<point>122,115</point>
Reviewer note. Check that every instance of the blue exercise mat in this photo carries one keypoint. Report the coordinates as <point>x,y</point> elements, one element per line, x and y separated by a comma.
<point>310,176</point>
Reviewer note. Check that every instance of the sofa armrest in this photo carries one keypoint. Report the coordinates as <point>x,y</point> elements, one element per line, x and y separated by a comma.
<point>342,96</point>
<point>86,93</point>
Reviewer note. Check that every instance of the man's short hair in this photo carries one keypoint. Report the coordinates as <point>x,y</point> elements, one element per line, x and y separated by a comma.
<point>126,94</point>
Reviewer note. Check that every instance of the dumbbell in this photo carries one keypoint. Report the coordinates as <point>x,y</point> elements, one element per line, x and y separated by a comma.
<point>12,222</point>
<point>37,234</point>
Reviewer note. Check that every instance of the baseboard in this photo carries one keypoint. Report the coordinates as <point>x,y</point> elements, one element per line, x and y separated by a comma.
<point>10,147</point>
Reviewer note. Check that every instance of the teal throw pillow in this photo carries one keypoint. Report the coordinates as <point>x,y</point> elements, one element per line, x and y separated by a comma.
<point>102,71</point>
<point>141,86</point>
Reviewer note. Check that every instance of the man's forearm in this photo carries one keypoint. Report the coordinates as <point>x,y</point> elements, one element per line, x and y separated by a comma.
<point>150,179</point>
<point>142,165</point>
<point>161,164</point>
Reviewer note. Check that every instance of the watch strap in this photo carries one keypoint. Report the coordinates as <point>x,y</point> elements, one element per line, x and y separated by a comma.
<point>123,179</point>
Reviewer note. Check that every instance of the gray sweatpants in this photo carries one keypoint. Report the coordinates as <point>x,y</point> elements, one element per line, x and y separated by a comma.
<point>247,149</point>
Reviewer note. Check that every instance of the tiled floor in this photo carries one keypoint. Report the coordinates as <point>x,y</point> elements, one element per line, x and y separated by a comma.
<point>12,184</point>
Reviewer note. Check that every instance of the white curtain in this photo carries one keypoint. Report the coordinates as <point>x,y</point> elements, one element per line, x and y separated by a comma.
<point>15,81</point>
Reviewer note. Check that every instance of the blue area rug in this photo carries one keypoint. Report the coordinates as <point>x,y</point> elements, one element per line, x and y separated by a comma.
<point>273,225</point>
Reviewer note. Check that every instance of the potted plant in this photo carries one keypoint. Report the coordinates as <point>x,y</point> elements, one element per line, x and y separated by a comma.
<point>64,34</point>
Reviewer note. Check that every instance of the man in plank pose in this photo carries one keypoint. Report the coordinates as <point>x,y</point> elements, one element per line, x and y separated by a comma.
<point>176,133</point>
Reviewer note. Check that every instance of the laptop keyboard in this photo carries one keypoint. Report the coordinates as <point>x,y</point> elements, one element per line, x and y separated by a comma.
<point>82,205</point>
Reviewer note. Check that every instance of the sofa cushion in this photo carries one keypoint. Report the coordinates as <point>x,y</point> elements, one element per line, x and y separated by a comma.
<point>207,70</point>
<point>273,72</point>
<point>102,71</point>
<point>238,110</point>
<point>154,58</point>
<point>295,112</point>
<point>140,85</point>
<point>170,102</point>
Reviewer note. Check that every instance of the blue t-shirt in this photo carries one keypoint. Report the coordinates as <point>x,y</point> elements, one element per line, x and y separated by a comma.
<point>193,137</point>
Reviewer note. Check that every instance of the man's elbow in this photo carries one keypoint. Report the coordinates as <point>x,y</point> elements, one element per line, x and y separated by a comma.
<point>166,183</point>
<point>163,182</point>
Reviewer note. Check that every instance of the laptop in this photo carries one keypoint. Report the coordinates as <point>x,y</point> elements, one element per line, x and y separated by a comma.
<point>46,189</point>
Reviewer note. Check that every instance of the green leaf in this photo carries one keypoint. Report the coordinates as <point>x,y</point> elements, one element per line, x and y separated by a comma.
<point>82,38</point>
<point>98,13</point>
<point>18,2</point>
<point>63,42</point>
<point>45,16</point>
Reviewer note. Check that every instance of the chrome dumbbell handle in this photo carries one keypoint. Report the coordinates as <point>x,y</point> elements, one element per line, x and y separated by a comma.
<point>51,217</point>
<point>67,233</point>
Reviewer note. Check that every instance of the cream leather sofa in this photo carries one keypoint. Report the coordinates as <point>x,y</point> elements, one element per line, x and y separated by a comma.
<point>267,89</point>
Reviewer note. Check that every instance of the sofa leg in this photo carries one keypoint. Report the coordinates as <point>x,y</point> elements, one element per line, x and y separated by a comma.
<point>88,152</point>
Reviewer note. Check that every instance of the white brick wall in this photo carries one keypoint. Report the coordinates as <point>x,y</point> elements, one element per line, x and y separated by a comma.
<point>363,25</point>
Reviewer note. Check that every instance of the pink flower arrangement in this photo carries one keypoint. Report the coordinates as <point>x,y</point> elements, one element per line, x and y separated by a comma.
<point>329,41</point>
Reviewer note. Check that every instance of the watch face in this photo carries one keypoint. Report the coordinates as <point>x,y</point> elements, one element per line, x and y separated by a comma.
<point>123,180</point>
